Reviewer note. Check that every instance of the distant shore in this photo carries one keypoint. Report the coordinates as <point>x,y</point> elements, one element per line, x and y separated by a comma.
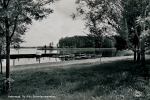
<point>75,48</point>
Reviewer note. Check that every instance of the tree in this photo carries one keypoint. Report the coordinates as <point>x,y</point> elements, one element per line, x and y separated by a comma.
<point>86,42</point>
<point>109,42</point>
<point>105,17</point>
<point>16,40</point>
<point>144,22</point>
<point>130,12</point>
<point>2,51</point>
<point>76,41</point>
<point>135,13</point>
<point>101,17</point>
<point>14,18</point>
<point>121,43</point>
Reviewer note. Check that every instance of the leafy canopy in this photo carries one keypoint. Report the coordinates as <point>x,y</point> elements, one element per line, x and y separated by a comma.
<point>15,15</point>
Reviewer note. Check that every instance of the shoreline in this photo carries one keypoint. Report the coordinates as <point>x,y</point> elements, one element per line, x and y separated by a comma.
<point>65,63</point>
<point>74,48</point>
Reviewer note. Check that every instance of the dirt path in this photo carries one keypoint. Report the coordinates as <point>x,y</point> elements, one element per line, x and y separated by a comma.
<point>64,63</point>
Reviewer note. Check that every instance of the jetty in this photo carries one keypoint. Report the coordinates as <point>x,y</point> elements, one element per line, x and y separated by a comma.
<point>14,56</point>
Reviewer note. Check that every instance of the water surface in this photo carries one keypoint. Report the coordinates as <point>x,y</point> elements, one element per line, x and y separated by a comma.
<point>23,61</point>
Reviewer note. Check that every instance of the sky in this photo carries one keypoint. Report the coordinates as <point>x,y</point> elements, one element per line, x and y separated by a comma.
<point>59,24</point>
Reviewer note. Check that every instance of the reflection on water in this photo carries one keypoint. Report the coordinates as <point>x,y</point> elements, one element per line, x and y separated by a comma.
<point>22,61</point>
<point>31,51</point>
<point>108,52</point>
<point>103,52</point>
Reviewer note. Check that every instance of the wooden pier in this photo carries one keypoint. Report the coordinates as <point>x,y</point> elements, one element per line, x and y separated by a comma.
<point>14,56</point>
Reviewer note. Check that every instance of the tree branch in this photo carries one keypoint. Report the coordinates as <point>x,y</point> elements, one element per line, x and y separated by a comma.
<point>15,25</point>
<point>4,2</point>
<point>7,2</point>
<point>1,2</point>
<point>1,28</point>
<point>136,33</point>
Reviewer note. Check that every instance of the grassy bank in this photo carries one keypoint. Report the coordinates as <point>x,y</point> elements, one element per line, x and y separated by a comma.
<point>119,80</point>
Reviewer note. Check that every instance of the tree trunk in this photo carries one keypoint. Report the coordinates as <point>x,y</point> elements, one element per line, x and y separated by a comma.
<point>8,39</point>
<point>135,52</point>
<point>1,66</point>
<point>138,57</point>
<point>1,62</point>
<point>145,70</point>
<point>7,60</point>
<point>138,53</point>
<point>138,45</point>
<point>143,54</point>
<point>1,58</point>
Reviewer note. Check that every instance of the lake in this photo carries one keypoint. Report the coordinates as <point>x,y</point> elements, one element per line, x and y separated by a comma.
<point>22,61</point>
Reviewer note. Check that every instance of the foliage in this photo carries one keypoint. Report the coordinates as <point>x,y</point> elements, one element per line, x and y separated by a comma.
<point>109,42</point>
<point>121,43</point>
<point>85,42</point>
<point>15,15</point>
<point>131,23</point>
<point>145,34</point>
<point>19,13</point>
<point>16,40</point>
<point>101,17</point>
<point>129,18</point>
<point>136,26</point>
<point>75,41</point>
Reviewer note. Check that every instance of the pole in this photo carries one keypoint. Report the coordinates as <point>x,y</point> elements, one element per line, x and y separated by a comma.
<point>13,62</point>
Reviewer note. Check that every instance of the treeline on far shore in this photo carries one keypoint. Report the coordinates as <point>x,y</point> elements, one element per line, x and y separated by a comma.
<point>87,42</point>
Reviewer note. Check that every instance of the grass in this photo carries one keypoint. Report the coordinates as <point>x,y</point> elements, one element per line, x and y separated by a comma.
<point>119,80</point>
<point>147,52</point>
<point>124,53</point>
